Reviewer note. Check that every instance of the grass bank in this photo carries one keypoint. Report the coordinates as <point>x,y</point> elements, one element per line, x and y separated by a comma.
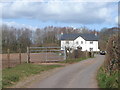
<point>105,80</point>
<point>15,74</point>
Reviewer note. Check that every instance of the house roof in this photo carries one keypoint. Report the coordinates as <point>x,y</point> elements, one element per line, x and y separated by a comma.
<point>87,37</point>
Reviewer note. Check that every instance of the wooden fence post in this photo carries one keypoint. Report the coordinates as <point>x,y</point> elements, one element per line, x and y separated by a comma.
<point>28,55</point>
<point>92,54</point>
<point>8,56</point>
<point>20,55</point>
<point>46,56</point>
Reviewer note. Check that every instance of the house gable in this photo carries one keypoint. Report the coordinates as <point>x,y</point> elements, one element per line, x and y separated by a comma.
<point>80,40</point>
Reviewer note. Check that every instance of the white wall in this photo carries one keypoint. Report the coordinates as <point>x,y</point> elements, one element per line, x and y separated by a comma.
<point>85,46</point>
<point>79,39</point>
<point>94,46</point>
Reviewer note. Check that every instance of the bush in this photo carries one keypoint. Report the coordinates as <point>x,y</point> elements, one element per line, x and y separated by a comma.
<point>113,53</point>
<point>78,54</point>
<point>108,74</point>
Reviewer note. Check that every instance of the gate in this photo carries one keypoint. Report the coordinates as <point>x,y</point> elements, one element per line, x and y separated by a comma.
<point>45,54</point>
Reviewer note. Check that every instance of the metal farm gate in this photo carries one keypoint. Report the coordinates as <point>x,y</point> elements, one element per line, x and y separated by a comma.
<point>45,54</point>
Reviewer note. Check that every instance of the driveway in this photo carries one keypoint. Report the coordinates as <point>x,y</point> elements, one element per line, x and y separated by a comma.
<point>78,75</point>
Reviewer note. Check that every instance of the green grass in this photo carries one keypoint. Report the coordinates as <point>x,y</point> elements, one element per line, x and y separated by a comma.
<point>70,61</point>
<point>105,80</point>
<point>15,74</point>
<point>0,79</point>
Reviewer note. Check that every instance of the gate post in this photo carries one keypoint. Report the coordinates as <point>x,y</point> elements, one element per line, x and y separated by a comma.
<point>65,56</point>
<point>8,56</point>
<point>28,55</point>
<point>86,54</point>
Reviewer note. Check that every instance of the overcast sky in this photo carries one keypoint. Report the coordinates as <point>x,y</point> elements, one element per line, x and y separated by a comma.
<point>76,13</point>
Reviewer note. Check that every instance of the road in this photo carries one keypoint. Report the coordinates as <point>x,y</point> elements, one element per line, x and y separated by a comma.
<point>78,75</point>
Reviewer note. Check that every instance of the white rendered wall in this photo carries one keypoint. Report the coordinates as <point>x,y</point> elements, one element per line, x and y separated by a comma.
<point>94,46</point>
<point>79,39</point>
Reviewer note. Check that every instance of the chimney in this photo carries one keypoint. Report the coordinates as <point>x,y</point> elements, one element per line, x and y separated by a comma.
<point>95,33</point>
<point>61,33</point>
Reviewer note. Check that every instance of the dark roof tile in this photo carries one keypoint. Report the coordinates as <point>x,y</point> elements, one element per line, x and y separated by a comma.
<point>87,37</point>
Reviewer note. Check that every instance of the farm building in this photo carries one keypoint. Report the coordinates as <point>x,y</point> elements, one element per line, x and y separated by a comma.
<point>87,42</point>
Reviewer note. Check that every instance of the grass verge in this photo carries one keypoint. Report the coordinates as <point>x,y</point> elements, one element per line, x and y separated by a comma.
<point>70,61</point>
<point>12,75</point>
<point>105,80</point>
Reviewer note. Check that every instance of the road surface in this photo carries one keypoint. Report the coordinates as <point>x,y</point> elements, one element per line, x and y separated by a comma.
<point>78,75</point>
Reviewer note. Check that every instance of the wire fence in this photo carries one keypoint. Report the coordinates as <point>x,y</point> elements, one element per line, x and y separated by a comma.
<point>33,55</point>
<point>12,59</point>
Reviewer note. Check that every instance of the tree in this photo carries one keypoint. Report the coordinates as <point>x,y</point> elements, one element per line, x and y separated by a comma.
<point>38,37</point>
<point>104,36</point>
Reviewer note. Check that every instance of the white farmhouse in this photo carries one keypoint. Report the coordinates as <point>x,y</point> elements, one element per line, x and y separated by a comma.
<point>87,42</point>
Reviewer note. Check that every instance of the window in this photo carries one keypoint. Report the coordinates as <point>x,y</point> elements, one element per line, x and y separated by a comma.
<point>91,42</point>
<point>81,42</point>
<point>67,42</point>
<point>91,49</point>
<point>77,42</point>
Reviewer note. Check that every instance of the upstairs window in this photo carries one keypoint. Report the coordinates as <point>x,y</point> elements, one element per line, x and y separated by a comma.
<point>81,42</point>
<point>91,42</point>
<point>77,42</point>
<point>67,42</point>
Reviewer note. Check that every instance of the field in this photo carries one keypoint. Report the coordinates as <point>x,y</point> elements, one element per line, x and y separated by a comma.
<point>34,58</point>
